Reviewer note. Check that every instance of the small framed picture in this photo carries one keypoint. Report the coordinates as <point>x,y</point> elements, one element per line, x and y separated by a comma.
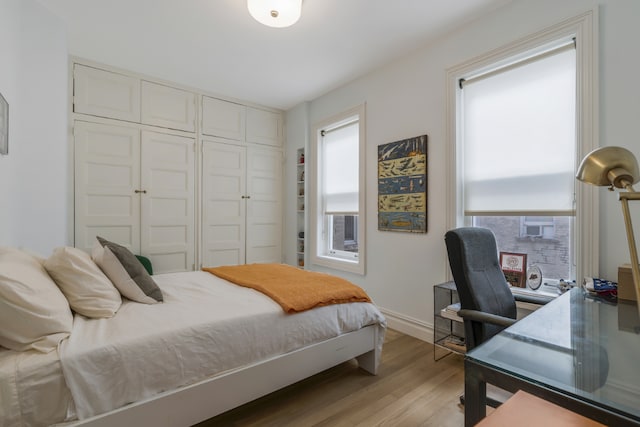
<point>514,267</point>
<point>534,277</point>
<point>4,126</point>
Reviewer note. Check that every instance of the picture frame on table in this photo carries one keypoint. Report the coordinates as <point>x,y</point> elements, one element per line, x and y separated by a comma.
<point>4,126</point>
<point>514,267</point>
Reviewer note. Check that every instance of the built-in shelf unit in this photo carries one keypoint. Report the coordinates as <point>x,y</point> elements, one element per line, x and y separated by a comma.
<point>300,206</point>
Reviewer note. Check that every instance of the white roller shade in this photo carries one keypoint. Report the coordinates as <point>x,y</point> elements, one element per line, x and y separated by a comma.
<point>520,139</point>
<point>340,173</point>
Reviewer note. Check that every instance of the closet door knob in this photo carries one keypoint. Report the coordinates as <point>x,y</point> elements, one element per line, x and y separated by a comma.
<point>141,191</point>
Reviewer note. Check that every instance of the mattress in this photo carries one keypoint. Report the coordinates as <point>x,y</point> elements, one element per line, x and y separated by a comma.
<point>32,389</point>
<point>205,326</point>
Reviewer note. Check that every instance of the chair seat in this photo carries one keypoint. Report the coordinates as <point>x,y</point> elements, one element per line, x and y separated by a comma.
<point>526,410</point>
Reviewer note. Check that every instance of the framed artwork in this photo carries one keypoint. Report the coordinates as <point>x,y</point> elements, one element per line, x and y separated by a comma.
<point>514,267</point>
<point>402,185</point>
<point>4,126</point>
<point>534,277</point>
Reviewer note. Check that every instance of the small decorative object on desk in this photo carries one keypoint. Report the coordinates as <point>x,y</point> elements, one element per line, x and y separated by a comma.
<point>564,285</point>
<point>600,286</point>
<point>514,267</point>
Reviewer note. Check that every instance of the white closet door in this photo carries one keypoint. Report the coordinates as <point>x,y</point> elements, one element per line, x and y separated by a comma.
<point>264,207</point>
<point>105,94</point>
<point>223,204</point>
<point>264,127</point>
<point>167,201</point>
<point>168,107</point>
<point>107,165</point>
<point>224,119</point>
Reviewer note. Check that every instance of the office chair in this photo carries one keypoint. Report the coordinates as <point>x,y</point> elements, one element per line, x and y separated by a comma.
<point>487,305</point>
<point>146,263</point>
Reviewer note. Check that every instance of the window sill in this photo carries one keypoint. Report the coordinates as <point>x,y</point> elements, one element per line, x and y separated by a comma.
<point>536,239</point>
<point>352,266</point>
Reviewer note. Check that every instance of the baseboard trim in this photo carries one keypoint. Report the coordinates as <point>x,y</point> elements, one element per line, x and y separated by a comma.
<point>408,325</point>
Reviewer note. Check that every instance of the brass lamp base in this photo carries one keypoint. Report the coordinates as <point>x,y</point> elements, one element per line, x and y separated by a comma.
<point>633,252</point>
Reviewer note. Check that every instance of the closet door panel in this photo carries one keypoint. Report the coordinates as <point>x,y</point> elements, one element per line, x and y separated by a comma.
<point>168,107</point>
<point>105,94</point>
<point>222,118</point>
<point>264,127</point>
<point>167,201</point>
<point>223,204</point>
<point>264,207</point>
<point>106,177</point>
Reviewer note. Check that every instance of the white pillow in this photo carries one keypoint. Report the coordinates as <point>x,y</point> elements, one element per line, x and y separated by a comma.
<point>87,289</point>
<point>34,314</point>
<point>125,272</point>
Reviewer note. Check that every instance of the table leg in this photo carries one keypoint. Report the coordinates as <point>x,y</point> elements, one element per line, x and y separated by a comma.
<point>475,395</point>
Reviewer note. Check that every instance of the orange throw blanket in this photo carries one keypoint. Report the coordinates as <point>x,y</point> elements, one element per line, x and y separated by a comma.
<point>294,289</point>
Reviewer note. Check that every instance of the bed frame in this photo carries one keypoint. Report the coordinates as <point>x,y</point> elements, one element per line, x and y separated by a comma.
<point>192,404</point>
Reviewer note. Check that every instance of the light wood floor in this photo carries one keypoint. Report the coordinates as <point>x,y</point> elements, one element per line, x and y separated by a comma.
<point>410,390</point>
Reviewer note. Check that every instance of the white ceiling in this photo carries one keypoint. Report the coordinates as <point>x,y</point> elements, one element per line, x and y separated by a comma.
<point>216,46</point>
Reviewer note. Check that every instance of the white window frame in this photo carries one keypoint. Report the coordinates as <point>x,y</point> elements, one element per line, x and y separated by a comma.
<point>543,223</point>
<point>583,29</point>
<point>320,232</point>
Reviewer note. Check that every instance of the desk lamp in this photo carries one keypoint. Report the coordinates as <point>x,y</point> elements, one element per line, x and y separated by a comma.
<point>616,167</point>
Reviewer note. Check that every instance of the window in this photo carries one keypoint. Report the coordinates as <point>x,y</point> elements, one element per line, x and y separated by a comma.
<point>547,240</point>
<point>351,231</point>
<point>538,226</point>
<point>337,192</point>
<point>519,152</point>
<point>521,119</point>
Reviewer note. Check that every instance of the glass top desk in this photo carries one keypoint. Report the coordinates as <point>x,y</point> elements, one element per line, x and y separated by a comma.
<point>580,352</point>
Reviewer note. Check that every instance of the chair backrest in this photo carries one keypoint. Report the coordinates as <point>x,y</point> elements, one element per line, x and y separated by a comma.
<point>481,285</point>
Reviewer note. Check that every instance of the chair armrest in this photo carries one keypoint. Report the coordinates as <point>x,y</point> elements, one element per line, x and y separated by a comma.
<point>533,299</point>
<point>481,316</point>
<point>146,263</point>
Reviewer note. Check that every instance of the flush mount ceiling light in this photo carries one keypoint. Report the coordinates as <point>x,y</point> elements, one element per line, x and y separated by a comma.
<point>275,13</point>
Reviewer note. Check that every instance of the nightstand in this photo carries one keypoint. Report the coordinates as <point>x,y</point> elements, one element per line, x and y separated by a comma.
<point>448,329</point>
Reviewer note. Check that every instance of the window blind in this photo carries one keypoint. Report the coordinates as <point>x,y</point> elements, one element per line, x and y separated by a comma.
<point>519,139</point>
<point>340,173</point>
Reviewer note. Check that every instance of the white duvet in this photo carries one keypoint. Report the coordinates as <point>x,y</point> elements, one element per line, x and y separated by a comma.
<point>205,326</point>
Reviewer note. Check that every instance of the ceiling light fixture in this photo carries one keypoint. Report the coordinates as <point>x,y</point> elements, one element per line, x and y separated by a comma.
<point>275,13</point>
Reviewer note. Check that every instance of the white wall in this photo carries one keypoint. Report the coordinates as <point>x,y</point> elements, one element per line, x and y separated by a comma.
<point>34,176</point>
<point>407,98</point>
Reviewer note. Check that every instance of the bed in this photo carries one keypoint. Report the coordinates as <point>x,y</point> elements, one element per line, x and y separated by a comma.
<point>209,347</point>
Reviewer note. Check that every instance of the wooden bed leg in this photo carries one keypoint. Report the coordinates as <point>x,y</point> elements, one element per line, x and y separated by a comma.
<point>369,361</point>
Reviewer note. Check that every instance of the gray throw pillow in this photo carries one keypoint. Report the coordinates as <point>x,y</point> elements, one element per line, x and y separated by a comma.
<point>126,272</point>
